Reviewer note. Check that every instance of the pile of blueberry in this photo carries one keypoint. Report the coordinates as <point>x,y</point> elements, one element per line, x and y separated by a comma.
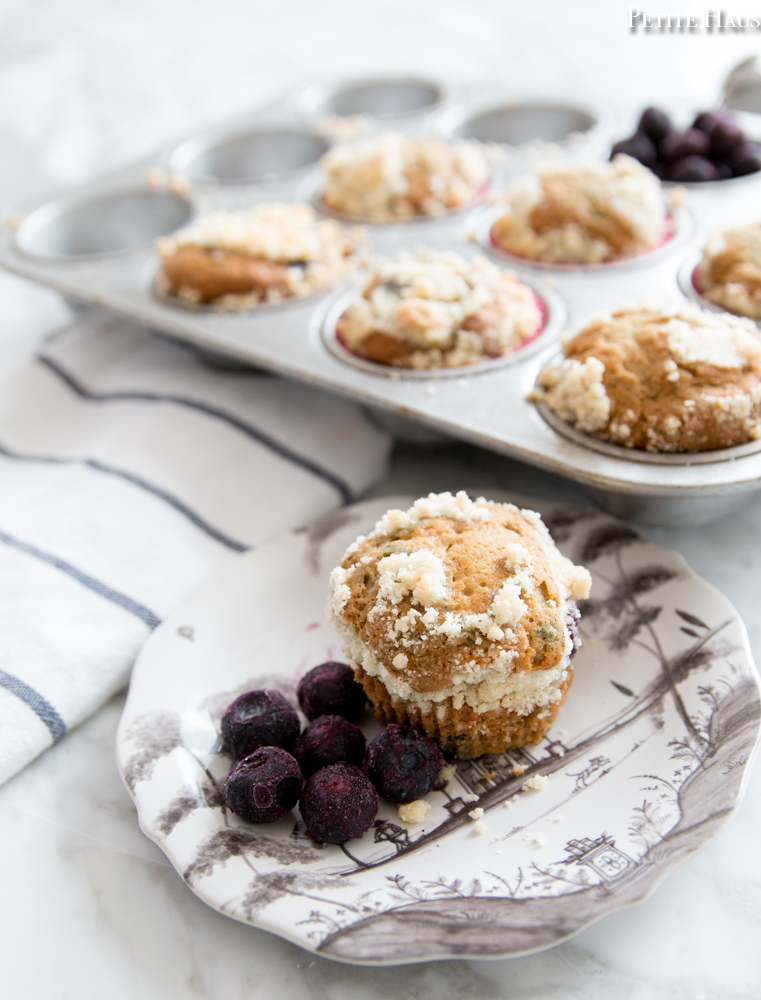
<point>713,148</point>
<point>326,768</point>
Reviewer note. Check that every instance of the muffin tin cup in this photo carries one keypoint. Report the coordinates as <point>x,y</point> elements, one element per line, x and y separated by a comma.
<point>669,511</point>
<point>94,226</point>
<point>686,277</point>
<point>152,285</point>
<point>683,227</point>
<point>262,153</point>
<point>311,192</point>
<point>554,322</point>
<point>383,98</point>
<point>618,451</point>
<point>517,123</point>
<point>77,246</point>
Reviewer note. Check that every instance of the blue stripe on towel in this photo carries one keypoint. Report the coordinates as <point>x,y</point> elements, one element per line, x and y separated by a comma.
<point>130,477</point>
<point>36,702</point>
<point>135,608</point>
<point>343,489</point>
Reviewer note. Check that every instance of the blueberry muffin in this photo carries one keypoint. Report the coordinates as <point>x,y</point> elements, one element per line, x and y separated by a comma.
<point>393,176</point>
<point>677,379</point>
<point>241,259</point>
<point>584,214</point>
<point>459,618</point>
<point>434,310</point>
<point>729,272</point>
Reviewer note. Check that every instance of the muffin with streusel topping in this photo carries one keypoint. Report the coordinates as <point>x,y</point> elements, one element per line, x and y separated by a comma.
<point>262,255</point>
<point>677,379</point>
<point>438,310</point>
<point>394,176</point>
<point>459,618</point>
<point>586,214</point>
<point>729,272</point>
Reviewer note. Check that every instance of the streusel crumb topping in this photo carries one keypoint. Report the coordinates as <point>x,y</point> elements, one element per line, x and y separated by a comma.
<point>459,598</point>
<point>238,259</point>
<point>675,380</point>
<point>584,214</point>
<point>729,273</point>
<point>392,176</point>
<point>438,310</point>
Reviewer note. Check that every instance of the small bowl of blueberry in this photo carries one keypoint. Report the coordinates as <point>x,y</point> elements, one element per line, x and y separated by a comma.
<point>327,769</point>
<point>713,148</point>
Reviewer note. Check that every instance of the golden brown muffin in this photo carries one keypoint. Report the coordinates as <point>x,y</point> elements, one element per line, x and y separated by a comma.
<point>238,260</point>
<point>459,618</point>
<point>584,214</point>
<point>438,310</point>
<point>673,380</point>
<point>393,176</point>
<point>729,273</point>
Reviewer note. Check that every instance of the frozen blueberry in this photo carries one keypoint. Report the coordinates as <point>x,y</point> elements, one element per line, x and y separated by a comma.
<point>693,168</point>
<point>723,170</point>
<point>724,137</point>
<point>329,740</point>
<point>261,718</point>
<point>338,804</point>
<point>678,145</point>
<point>745,159</point>
<point>403,764</point>
<point>706,121</point>
<point>655,124</point>
<point>640,146</point>
<point>264,786</point>
<point>330,689</point>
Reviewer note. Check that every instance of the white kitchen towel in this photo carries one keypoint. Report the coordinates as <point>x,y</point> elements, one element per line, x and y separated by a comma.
<point>129,471</point>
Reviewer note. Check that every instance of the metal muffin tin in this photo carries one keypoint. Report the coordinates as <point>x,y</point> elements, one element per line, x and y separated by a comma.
<point>94,245</point>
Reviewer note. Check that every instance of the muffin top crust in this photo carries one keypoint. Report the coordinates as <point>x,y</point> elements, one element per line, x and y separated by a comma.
<point>455,594</point>
<point>393,176</point>
<point>270,251</point>
<point>439,311</point>
<point>584,214</point>
<point>678,379</point>
<point>729,272</point>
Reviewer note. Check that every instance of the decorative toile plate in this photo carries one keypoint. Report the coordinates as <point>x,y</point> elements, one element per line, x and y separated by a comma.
<point>646,762</point>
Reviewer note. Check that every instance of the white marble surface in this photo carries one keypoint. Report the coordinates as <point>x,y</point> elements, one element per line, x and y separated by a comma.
<point>89,908</point>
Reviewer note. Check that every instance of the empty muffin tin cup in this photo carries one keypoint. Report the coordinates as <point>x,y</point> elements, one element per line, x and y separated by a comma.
<point>682,226</point>
<point>517,123</point>
<point>380,97</point>
<point>259,153</point>
<point>90,226</point>
<point>554,321</point>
